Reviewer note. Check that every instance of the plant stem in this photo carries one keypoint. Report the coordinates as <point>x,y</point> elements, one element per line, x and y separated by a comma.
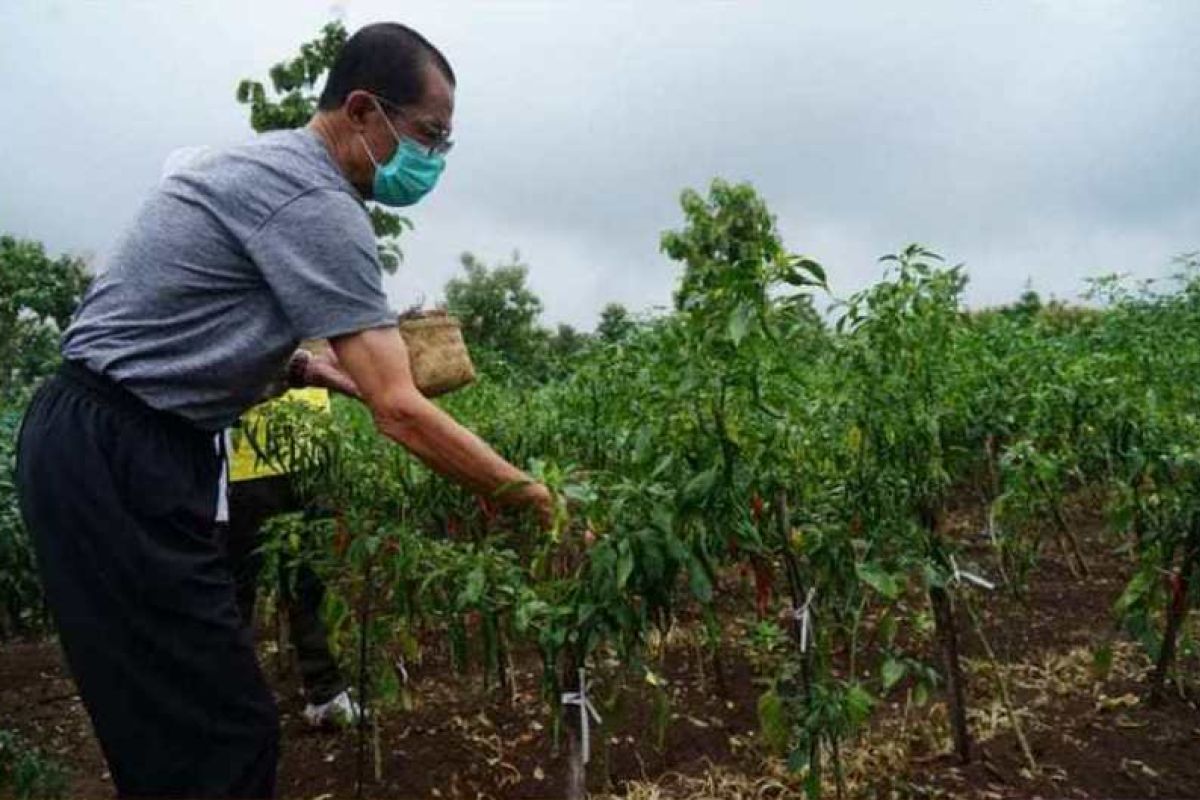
<point>838,773</point>
<point>378,752</point>
<point>503,667</point>
<point>947,635</point>
<point>1176,614</point>
<point>364,618</point>
<point>1002,684</point>
<point>1079,567</point>
<point>576,777</point>
<point>797,590</point>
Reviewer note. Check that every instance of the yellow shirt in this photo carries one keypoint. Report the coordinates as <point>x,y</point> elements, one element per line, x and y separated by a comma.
<point>244,463</point>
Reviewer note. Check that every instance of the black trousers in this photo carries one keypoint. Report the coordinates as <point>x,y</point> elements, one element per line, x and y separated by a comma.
<point>252,503</point>
<point>120,502</point>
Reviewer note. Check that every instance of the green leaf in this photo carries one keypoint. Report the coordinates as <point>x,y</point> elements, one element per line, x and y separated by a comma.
<point>797,759</point>
<point>1136,590</point>
<point>700,486</point>
<point>660,715</point>
<point>739,322</point>
<point>578,493</point>
<point>796,279</point>
<point>888,627</point>
<point>624,564</point>
<point>859,703</point>
<point>812,785</point>
<point>814,269</point>
<point>387,683</point>
<point>933,577</point>
<point>472,593</point>
<point>243,91</point>
<point>700,582</point>
<point>878,579</point>
<point>892,672</point>
<point>676,549</point>
<point>772,721</point>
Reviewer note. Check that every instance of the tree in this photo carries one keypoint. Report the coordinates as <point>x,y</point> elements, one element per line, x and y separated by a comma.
<point>734,262</point>
<point>497,309</point>
<point>615,323</point>
<point>566,342</point>
<point>295,101</point>
<point>38,295</point>
<point>1028,305</point>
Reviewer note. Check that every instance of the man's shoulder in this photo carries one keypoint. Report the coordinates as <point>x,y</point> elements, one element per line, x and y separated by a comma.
<point>254,180</point>
<point>293,143</point>
<point>295,157</point>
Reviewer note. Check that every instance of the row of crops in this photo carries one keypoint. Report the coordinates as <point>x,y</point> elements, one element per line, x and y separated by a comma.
<point>742,429</point>
<point>824,450</point>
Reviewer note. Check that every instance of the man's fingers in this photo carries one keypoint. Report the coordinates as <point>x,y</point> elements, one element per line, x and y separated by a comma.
<point>322,372</point>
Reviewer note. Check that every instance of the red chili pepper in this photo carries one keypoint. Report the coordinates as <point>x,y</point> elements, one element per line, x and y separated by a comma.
<point>756,507</point>
<point>1178,594</point>
<point>764,580</point>
<point>486,508</point>
<point>341,536</point>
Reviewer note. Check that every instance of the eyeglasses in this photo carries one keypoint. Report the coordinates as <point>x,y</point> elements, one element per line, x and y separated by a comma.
<point>437,139</point>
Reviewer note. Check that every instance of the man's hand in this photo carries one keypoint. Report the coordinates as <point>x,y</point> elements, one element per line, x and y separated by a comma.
<point>539,499</point>
<point>323,370</point>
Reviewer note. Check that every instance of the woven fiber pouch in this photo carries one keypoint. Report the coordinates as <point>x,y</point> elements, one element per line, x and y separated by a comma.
<point>436,350</point>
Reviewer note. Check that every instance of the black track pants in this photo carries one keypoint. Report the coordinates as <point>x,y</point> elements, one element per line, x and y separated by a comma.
<point>120,500</point>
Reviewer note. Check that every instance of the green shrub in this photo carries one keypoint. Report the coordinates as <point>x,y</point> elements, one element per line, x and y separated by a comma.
<point>21,609</point>
<point>27,774</point>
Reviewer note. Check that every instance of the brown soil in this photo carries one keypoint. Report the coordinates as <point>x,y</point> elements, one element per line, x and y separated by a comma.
<point>1092,734</point>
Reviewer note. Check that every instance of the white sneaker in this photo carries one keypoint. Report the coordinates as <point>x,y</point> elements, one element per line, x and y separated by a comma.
<point>340,711</point>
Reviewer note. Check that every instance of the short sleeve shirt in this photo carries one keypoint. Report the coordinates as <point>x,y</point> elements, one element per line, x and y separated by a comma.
<point>235,257</point>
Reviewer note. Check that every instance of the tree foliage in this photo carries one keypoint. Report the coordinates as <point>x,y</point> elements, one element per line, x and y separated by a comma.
<point>294,83</point>
<point>497,309</point>
<point>566,342</point>
<point>38,295</point>
<point>615,323</point>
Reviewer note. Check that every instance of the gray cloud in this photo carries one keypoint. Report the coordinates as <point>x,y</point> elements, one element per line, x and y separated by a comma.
<point>1032,140</point>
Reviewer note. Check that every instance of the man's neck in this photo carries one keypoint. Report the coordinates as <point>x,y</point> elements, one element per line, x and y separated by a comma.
<point>340,143</point>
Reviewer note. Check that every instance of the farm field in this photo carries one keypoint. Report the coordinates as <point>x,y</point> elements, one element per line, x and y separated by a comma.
<point>1092,732</point>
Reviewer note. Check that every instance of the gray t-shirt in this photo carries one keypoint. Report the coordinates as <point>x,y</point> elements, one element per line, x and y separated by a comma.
<point>234,258</point>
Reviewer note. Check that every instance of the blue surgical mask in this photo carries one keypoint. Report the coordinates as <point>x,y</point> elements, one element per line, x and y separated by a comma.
<point>409,174</point>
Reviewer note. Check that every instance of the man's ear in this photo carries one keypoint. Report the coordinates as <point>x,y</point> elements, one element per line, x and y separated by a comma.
<point>357,107</point>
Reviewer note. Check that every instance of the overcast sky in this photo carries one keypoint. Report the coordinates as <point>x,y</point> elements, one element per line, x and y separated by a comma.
<point>1035,140</point>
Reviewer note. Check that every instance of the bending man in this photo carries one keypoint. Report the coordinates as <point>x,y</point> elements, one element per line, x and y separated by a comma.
<point>231,262</point>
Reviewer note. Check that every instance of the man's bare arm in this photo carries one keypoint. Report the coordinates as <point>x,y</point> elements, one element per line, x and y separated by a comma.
<point>377,361</point>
